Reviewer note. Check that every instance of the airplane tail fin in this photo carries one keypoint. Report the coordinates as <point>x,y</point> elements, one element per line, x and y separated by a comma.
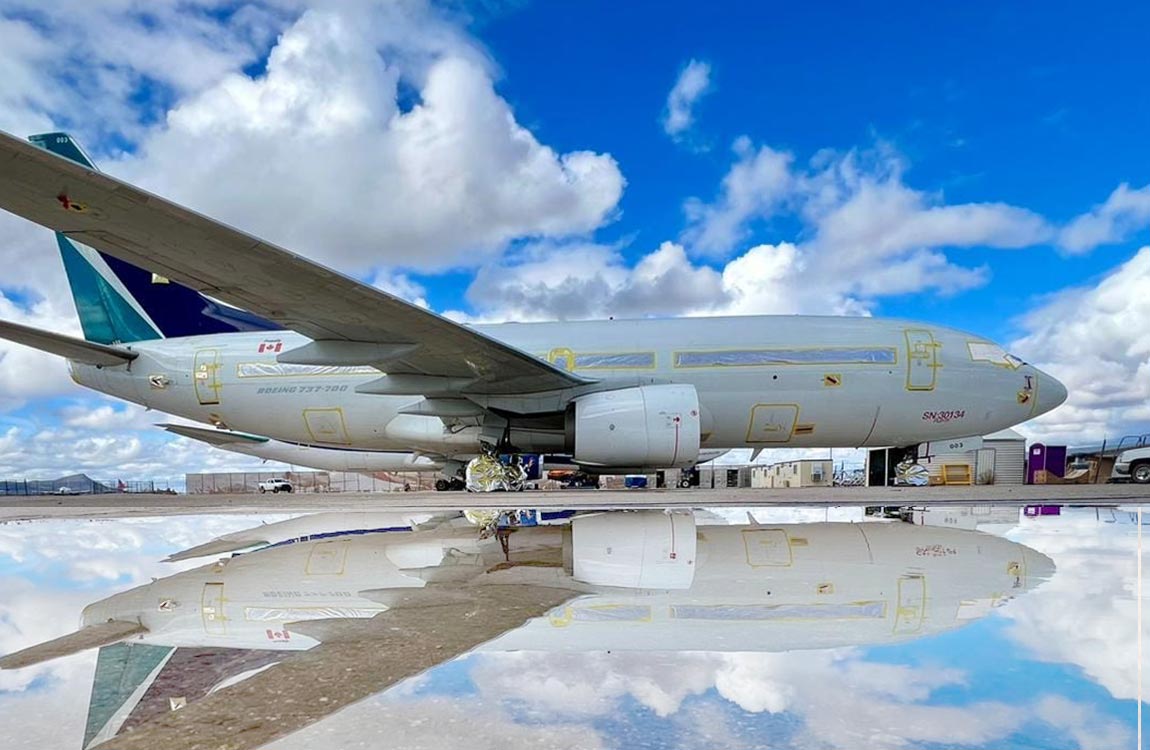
<point>121,303</point>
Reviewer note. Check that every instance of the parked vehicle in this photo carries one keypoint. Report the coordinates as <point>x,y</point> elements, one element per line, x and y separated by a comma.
<point>275,485</point>
<point>1132,466</point>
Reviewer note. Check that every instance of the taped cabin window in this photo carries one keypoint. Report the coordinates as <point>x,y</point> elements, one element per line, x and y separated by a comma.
<point>612,613</point>
<point>760,357</point>
<point>758,612</point>
<point>281,370</point>
<point>289,614</point>
<point>616,361</point>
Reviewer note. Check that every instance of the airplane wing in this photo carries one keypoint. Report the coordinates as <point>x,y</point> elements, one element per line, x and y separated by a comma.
<point>66,346</point>
<point>351,323</point>
<point>356,659</point>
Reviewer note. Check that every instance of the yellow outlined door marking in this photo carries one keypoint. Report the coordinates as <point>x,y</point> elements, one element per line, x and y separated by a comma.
<point>327,558</point>
<point>922,360</point>
<point>206,376</point>
<point>767,548</point>
<point>911,604</point>
<point>772,423</point>
<point>326,425</point>
<point>212,609</point>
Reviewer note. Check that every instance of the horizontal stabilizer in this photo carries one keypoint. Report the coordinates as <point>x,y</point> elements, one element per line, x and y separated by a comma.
<point>66,346</point>
<point>92,636</point>
<point>214,547</point>
<point>213,436</point>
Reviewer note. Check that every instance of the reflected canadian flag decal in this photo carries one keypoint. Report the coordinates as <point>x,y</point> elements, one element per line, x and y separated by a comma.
<point>271,346</point>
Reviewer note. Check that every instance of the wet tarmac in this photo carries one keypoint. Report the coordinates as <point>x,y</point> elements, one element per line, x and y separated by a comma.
<point>124,505</point>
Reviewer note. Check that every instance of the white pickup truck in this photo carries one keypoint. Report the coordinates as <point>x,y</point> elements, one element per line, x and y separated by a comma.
<point>1132,466</point>
<point>275,485</point>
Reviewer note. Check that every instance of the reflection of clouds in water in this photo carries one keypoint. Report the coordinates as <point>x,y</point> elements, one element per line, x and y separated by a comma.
<point>1089,729</point>
<point>433,724</point>
<point>49,571</point>
<point>841,700</point>
<point>53,714</point>
<point>827,699</point>
<point>1087,613</point>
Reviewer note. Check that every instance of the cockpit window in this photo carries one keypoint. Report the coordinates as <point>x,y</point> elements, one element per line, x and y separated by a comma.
<point>985,351</point>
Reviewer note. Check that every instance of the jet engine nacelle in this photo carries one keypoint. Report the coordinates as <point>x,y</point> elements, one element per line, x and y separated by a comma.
<point>648,549</point>
<point>656,426</point>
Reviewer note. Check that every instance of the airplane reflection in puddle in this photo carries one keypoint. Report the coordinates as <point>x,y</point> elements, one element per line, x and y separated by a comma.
<point>374,608</point>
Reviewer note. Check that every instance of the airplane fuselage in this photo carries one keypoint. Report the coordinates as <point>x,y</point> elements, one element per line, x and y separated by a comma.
<point>762,382</point>
<point>756,588</point>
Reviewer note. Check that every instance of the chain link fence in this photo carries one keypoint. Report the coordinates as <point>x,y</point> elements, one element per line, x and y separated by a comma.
<point>80,485</point>
<point>238,483</point>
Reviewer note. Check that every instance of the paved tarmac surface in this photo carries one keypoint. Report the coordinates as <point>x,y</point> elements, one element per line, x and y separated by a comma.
<point>119,506</point>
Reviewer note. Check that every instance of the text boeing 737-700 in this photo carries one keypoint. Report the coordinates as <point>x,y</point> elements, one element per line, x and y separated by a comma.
<point>188,316</point>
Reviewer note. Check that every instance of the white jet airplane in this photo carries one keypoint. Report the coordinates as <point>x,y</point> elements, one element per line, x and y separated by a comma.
<point>373,608</point>
<point>309,356</point>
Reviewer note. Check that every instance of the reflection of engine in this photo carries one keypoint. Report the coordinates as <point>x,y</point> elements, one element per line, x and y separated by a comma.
<point>647,549</point>
<point>649,426</point>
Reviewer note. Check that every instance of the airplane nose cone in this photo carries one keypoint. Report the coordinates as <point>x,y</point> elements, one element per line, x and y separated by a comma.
<point>1051,392</point>
<point>1039,568</point>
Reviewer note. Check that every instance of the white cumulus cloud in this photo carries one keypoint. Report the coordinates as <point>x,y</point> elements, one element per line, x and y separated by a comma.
<point>693,82</point>
<point>1125,212</point>
<point>1095,339</point>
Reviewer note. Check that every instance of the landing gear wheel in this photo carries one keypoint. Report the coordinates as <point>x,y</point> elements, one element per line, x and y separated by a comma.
<point>1140,474</point>
<point>441,485</point>
<point>685,484</point>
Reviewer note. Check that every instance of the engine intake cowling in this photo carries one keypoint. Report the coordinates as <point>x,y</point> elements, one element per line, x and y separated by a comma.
<point>653,426</point>
<point>647,549</point>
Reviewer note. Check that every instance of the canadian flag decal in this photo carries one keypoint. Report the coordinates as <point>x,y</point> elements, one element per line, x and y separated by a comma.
<point>271,345</point>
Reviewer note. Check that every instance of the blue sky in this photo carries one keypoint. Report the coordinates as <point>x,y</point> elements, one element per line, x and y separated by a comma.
<point>981,166</point>
<point>986,102</point>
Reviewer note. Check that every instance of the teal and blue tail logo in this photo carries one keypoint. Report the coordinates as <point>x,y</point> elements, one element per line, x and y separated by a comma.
<point>119,303</point>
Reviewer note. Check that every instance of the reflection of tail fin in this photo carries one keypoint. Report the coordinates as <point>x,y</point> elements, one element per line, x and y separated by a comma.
<point>121,303</point>
<point>124,672</point>
<point>137,684</point>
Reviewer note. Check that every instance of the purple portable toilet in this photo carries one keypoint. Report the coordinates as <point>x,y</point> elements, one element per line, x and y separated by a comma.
<point>1051,458</point>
